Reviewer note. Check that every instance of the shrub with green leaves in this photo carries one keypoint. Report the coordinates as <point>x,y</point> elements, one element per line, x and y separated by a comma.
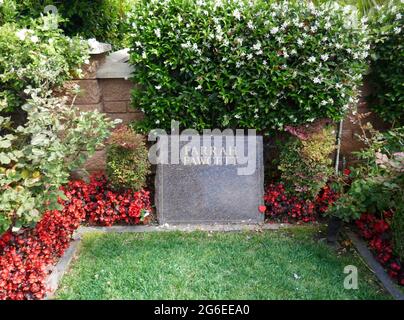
<point>387,65</point>
<point>38,56</point>
<point>244,64</point>
<point>377,183</point>
<point>398,233</point>
<point>305,162</point>
<point>127,160</point>
<point>104,20</point>
<point>36,158</point>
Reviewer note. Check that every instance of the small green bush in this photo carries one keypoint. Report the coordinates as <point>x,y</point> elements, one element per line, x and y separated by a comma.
<point>398,233</point>
<point>376,184</point>
<point>127,160</point>
<point>387,64</point>
<point>244,64</point>
<point>305,162</point>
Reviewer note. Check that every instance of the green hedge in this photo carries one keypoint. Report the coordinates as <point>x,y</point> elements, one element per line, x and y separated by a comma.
<point>104,20</point>
<point>244,64</point>
<point>387,67</point>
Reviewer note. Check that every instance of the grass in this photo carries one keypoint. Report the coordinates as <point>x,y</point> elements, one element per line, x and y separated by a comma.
<point>249,265</point>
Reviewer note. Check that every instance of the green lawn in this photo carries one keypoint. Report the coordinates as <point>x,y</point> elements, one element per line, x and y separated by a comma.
<point>268,265</point>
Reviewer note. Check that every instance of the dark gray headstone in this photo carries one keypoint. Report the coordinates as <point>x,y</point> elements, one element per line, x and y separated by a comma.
<point>199,190</point>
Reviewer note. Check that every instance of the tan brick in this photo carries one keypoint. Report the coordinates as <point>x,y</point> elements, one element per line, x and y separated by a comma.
<point>97,161</point>
<point>90,107</point>
<point>126,117</point>
<point>116,106</point>
<point>90,92</point>
<point>90,70</point>
<point>116,89</point>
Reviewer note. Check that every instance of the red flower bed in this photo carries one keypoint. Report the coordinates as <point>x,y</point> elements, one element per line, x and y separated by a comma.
<point>286,208</point>
<point>106,207</point>
<point>377,233</point>
<point>26,256</point>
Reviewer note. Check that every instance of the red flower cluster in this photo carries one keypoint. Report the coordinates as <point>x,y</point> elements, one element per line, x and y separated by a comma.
<point>105,207</point>
<point>286,208</point>
<point>377,233</point>
<point>24,257</point>
<point>325,198</point>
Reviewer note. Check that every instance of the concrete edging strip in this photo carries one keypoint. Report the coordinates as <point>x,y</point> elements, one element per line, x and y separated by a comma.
<point>58,271</point>
<point>380,273</point>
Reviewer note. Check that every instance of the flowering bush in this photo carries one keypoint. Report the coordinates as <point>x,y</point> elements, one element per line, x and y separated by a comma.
<point>387,64</point>
<point>104,206</point>
<point>127,160</point>
<point>39,56</point>
<point>244,64</point>
<point>377,232</point>
<point>305,162</point>
<point>104,20</point>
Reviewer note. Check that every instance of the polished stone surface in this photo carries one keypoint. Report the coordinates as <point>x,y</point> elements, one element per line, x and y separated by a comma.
<point>211,193</point>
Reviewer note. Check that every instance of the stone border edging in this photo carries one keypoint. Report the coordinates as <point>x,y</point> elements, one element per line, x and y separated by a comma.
<point>379,271</point>
<point>183,228</point>
<point>59,270</point>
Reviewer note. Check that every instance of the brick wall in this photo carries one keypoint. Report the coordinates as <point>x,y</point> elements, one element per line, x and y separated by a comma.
<point>106,92</point>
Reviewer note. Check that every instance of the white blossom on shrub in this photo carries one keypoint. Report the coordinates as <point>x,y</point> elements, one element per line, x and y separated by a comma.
<point>225,59</point>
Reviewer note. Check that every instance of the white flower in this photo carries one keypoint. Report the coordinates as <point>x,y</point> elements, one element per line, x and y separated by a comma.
<point>338,86</point>
<point>398,16</point>
<point>157,32</point>
<point>324,57</point>
<point>300,42</point>
<point>257,46</point>
<point>264,62</point>
<point>338,46</point>
<point>317,80</point>
<point>236,14</point>
<point>21,34</point>
<point>312,59</point>
<point>323,103</point>
<point>237,116</point>
<point>239,41</point>
<point>34,39</point>
<point>327,25</point>
<point>198,87</point>
<point>158,87</point>
<point>249,56</point>
<point>397,30</point>
<point>274,30</point>
<point>250,25</point>
<point>157,121</point>
<point>144,55</point>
